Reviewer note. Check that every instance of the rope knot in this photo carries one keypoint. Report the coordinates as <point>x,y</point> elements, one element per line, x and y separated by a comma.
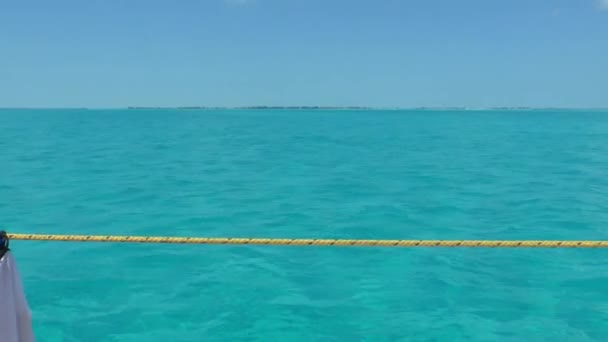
<point>3,243</point>
<point>3,240</point>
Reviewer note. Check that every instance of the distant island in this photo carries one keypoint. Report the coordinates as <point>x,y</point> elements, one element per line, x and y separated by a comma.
<point>448,108</point>
<point>257,107</point>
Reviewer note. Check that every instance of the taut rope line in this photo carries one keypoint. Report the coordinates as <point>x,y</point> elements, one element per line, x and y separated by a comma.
<point>317,242</point>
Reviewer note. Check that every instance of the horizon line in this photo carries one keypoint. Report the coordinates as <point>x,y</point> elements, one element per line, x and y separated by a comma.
<point>306,107</point>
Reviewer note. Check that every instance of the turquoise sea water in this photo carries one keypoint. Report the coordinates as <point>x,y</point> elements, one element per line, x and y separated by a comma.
<point>304,174</point>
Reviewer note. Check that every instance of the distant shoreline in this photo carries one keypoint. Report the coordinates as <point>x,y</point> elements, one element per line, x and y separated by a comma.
<point>447,108</point>
<point>256,107</point>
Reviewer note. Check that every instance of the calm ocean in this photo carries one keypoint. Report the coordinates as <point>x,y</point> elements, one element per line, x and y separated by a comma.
<point>537,174</point>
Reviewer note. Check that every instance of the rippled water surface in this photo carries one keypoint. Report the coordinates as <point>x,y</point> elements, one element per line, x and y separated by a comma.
<point>322,174</point>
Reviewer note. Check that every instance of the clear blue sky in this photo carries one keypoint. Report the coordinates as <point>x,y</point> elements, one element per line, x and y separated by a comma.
<point>477,53</point>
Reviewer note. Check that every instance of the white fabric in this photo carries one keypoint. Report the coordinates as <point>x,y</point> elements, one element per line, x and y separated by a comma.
<point>15,314</point>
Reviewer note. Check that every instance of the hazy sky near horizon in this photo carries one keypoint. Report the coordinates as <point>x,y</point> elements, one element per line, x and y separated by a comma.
<point>475,53</point>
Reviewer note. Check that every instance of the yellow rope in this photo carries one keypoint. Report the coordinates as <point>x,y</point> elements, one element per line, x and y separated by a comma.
<point>318,242</point>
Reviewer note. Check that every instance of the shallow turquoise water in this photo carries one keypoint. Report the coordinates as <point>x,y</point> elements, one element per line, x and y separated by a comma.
<point>325,174</point>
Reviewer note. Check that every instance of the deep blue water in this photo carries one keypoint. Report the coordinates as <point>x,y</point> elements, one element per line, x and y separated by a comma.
<point>309,174</point>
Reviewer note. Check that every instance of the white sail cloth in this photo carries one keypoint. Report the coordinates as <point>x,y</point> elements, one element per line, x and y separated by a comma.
<point>15,314</point>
